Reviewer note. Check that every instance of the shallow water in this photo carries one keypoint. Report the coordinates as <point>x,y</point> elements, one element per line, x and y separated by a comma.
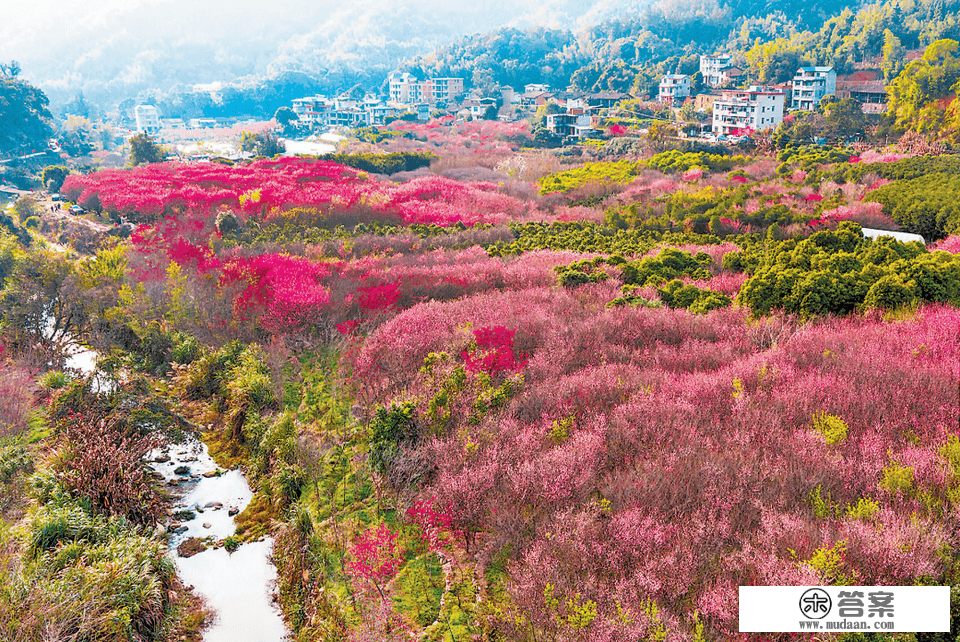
<point>84,360</point>
<point>237,586</point>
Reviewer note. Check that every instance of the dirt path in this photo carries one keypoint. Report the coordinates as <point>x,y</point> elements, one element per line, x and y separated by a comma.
<point>63,215</point>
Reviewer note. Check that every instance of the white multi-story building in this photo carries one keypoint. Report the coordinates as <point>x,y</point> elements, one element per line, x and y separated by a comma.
<point>810,85</point>
<point>578,125</point>
<point>739,112</point>
<point>444,90</point>
<point>313,110</point>
<point>148,119</point>
<point>405,89</point>
<point>319,111</point>
<point>714,69</point>
<point>674,88</point>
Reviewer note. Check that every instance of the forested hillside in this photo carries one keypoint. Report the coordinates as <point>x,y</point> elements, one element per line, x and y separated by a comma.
<point>630,54</point>
<point>25,120</point>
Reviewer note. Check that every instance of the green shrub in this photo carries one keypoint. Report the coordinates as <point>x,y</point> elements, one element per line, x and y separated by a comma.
<point>808,157</point>
<point>890,293</point>
<point>675,161</point>
<point>392,429</point>
<point>677,295</point>
<point>13,458</point>
<point>53,176</point>
<point>604,173</point>
<point>928,205</point>
<point>207,374</point>
<point>54,379</point>
<point>833,428</point>
<point>838,272</point>
<point>897,479</point>
<point>95,577</point>
<point>389,163</point>
<point>249,389</point>
<point>186,348</point>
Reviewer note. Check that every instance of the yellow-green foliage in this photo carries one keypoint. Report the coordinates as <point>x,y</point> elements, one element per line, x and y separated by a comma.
<point>832,427</point>
<point>604,173</point>
<point>249,384</point>
<point>179,303</point>
<point>254,522</point>
<point>224,451</point>
<point>54,379</point>
<point>491,398</point>
<point>829,563</point>
<point>249,388</point>
<point>580,615</point>
<point>699,633</point>
<point>108,267</point>
<point>457,618</point>
<point>738,389</point>
<point>419,587</point>
<point>864,509</point>
<point>676,161</point>
<point>951,452</point>
<point>657,631</point>
<point>823,507</point>
<point>86,577</point>
<point>560,430</point>
<point>252,195</point>
<point>897,478</point>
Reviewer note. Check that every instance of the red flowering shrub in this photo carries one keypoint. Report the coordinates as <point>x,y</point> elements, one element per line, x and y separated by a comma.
<point>266,188</point>
<point>494,353</point>
<point>379,297</point>
<point>950,244</point>
<point>376,557</point>
<point>286,292</point>
<point>436,527</point>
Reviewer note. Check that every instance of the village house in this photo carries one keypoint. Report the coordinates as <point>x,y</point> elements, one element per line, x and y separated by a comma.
<point>704,102</point>
<point>313,110</point>
<point>406,89</point>
<point>319,111</point>
<point>148,119</point>
<point>674,88</point>
<point>867,89</point>
<point>718,70</point>
<point>606,99</point>
<point>810,85</point>
<point>570,124</point>
<point>738,112</point>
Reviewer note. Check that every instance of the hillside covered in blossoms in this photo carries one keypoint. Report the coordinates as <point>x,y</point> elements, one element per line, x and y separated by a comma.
<point>506,393</point>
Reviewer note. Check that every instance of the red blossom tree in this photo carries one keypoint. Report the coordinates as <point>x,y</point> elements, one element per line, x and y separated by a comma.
<point>376,557</point>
